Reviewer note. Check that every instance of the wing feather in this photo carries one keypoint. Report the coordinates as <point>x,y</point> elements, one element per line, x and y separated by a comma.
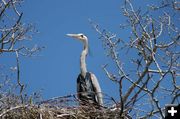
<point>97,88</point>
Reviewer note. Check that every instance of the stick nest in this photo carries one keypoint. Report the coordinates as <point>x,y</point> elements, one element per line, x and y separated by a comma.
<point>67,107</point>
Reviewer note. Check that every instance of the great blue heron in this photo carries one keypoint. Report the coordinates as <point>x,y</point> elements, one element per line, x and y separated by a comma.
<point>88,88</point>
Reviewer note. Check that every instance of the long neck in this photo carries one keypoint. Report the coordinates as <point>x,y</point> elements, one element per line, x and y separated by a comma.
<point>83,59</point>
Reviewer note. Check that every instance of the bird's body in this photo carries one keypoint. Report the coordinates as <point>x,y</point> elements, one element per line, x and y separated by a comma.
<point>88,87</point>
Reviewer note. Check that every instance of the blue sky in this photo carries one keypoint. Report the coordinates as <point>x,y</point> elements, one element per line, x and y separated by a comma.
<point>54,70</point>
<point>56,67</point>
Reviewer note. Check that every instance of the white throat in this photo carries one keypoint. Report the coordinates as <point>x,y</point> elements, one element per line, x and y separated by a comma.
<point>83,59</point>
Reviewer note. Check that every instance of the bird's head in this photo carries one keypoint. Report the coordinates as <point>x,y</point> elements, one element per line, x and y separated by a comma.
<point>79,36</point>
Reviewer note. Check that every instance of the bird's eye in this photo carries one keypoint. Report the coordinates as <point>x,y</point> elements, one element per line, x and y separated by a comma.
<point>82,36</point>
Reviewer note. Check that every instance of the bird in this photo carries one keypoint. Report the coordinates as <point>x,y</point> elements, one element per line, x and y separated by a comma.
<point>88,88</point>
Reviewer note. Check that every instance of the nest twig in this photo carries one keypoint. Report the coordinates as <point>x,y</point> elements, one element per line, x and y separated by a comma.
<point>67,107</point>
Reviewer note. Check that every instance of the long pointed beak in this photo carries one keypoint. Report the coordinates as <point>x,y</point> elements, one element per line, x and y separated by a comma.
<point>72,35</point>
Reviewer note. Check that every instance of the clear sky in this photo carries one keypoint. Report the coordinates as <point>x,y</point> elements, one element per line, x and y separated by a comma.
<point>54,70</point>
<point>56,67</point>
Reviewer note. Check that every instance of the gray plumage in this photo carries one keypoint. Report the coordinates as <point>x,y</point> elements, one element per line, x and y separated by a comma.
<point>88,87</point>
